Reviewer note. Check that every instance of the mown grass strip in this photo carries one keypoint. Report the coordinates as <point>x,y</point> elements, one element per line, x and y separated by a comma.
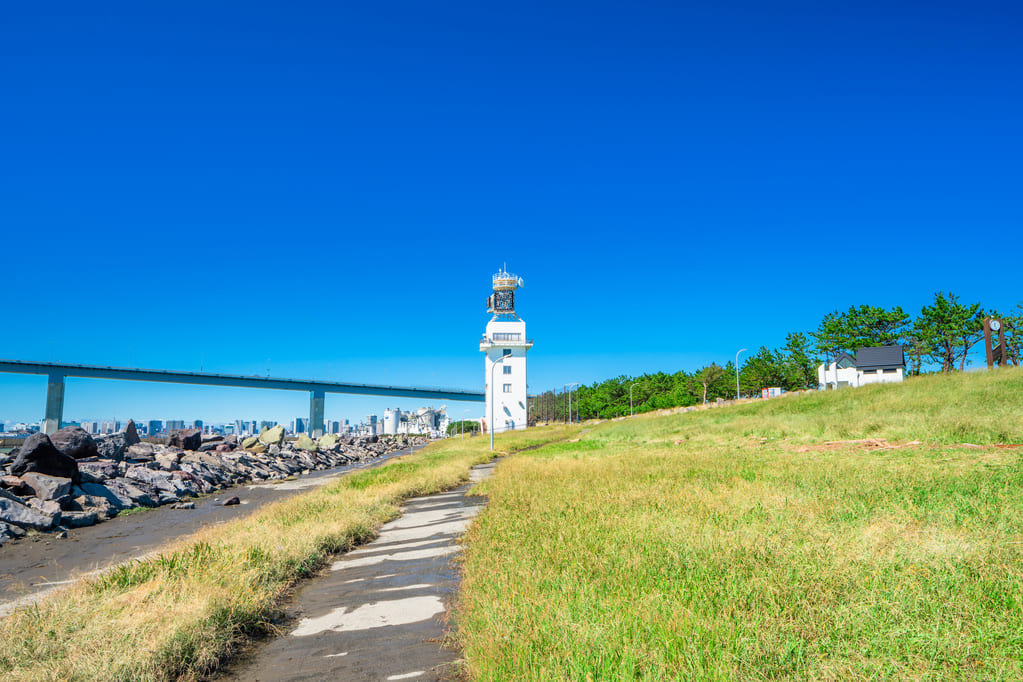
<point>734,544</point>
<point>178,614</point>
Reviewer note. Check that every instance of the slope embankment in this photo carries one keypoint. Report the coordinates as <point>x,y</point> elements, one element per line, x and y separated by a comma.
<point>866,533</point>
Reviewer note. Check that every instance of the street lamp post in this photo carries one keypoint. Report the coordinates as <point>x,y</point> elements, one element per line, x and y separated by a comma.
<point>737,372</point>
<point>568,394</point>
<point>631,411</point>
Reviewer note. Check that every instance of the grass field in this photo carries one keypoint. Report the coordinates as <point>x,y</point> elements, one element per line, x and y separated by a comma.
<point>177,615</point>
<point>740,543</point>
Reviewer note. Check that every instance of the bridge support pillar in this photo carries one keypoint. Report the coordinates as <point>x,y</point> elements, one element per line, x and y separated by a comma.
<point>54,404</point>
<point>316,413</point>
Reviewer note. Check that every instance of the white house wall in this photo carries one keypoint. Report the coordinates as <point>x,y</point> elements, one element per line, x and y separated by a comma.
<point>880,377</point>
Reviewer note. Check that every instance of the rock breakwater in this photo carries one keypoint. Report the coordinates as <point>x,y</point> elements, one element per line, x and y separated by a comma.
<point>72,480</point>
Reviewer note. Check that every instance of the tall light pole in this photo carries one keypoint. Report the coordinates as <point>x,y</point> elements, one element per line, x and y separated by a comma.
<point>568,394</point>
<point>737,372</point>
<point>493,397</point>
<point>631,412</point>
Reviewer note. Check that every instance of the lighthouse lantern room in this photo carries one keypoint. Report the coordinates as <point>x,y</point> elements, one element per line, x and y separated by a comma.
<point>505,346</point>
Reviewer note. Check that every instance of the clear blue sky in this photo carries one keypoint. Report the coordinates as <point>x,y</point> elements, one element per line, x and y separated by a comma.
<point>324,189</point>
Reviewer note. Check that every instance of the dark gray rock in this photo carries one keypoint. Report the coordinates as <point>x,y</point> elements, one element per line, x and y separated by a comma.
<point>131,434</point>
<point>186,439</point>
<point>45,506</point>
<point>210,443</point>
<point>14,512</point>
<point>112,446</point>
<point>130,490</point>
<point>46,487</point>
<point>15,485</point>
<point>78,519</point>
<point>38,454</point>
<point>74,441</point>
<point>103,507</point>
<point>140,450</point>
<point>183,505</point>
<point>8,532</point>
<point>160,480</point>
<point>96,490</point>
<point>168,498</point>
<point>97,472</point>
<point>231,501</point>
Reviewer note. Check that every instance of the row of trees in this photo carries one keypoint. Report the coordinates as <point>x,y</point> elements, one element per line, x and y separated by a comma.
<point>465,426</point>
<point>940,338</point>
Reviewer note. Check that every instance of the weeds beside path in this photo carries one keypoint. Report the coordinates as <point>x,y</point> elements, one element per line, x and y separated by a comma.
<point>175,616</point>
<point>734,544</point>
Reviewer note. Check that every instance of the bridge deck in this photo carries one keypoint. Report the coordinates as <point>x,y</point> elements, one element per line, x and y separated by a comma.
<point>57,372</point>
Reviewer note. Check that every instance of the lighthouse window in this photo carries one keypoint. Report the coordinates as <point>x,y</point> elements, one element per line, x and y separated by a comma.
<point>505,352</point>
<point>507,388</point>
<point>507,369</point>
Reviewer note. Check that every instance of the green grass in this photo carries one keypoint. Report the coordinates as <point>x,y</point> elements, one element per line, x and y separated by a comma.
<point>178,614</point>
<point>733,543</point>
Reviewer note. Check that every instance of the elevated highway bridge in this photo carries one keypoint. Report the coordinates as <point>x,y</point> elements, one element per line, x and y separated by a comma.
<point>57,373</point>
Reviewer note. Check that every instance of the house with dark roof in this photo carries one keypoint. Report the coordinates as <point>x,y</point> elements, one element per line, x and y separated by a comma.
<point>873,365</point>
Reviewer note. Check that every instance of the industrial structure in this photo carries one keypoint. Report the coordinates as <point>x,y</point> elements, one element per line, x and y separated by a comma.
<point>505,345</point>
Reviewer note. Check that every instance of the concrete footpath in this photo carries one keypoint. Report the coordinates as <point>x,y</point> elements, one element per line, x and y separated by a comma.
<point>380,611</point>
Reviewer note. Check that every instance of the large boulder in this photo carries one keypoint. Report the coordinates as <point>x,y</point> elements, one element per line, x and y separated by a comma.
<point>304,442</point>
<point>186,439</point>
<point>38,454</point>
<point>9,532</point>
<point>74,441</point>
<point>102,506</point>
<point>327,441</point>
<point>16,513</point>
<point>160,480</point>
<point>98,491</point>
<point>97,472</point>
<point>131,434</point>
<point>274,436</point>
<point>73,519</point>
<point>46,487</point>
<point>114,445</point>
<point>124,489</point>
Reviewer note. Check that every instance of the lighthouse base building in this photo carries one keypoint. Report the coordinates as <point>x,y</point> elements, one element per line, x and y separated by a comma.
<point>505,345</point>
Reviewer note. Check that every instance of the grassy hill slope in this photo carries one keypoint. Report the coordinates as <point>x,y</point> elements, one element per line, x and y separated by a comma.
<point>740,543</point>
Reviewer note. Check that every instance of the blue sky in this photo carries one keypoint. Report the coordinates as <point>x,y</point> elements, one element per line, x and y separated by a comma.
<point>324,189</point>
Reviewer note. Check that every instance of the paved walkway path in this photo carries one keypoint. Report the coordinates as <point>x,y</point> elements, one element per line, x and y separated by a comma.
<point>379,612</point>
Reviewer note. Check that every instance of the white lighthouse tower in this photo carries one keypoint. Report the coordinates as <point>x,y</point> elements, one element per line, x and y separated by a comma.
<point>505,346</point>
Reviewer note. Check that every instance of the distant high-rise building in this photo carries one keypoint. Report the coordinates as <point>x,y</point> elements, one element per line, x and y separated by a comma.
<point>197,424</point>
<point>155,427</point>
<point>300,425</point>
<point>175,425</point>
<point>264,425</point>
